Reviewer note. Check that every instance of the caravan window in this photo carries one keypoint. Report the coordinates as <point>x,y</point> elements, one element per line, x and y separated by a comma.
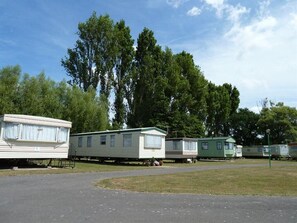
<point>89,141</point>
<point>175,145</point>
<point>11,130</point>
<point>80,141</point>
<point>112,140</point>
<point>219,146</point>
<point>102,140</point>
<point>127,140</point>
<point>205,145</point>
<point>38,133</point>
<point>28,132</point>
<point>190,146</point>
<point>152,141</point>
<point>63,134</point>
<point>228,145</point>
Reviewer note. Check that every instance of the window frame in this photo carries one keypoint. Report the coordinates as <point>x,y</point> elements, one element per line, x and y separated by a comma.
<point>219,146</point>
<point>189,145</point>
<point>103,139</point>
<point>80,142</point>
<point>26,132</point>
<point>89,141</point>
<point>112,140</point>
<point>175,145</point>
<point>127,142</point>
<point>155,145</point>
<point>204,145</point>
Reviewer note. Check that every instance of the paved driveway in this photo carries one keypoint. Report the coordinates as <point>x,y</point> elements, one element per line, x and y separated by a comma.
<point>73,198</point>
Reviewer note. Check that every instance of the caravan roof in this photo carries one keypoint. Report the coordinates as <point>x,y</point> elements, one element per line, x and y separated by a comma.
<point>122,131</point>
<point>35,120</point>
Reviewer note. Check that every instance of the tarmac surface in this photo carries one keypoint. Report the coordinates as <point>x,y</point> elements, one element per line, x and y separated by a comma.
<point>74,198</point>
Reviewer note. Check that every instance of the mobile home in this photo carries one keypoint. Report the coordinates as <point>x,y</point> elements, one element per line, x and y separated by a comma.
<point>238,151</point>
<point>279,151</point>
<point>255,151</point>
<point>33,137</point>
<point>181,148</point>
<point>125,144</point>
<point>216,147</point>
<point>293,150</point>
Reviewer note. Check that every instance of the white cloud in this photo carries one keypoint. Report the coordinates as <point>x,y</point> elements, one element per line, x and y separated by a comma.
<point>294,20</point>
<point>254,83</point>
<point>194,11</point>
<point>176,3</point>
<point>263,8</point>
<point>217,4</point>
<point>258,57</point>
<point>235,12</point>
<point>259,33</point>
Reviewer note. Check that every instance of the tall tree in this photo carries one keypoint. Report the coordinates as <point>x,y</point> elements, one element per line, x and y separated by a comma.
<point>188,105</point>
<point>218,109</point>
<point>146,71</point>
<point>281,120</point>
<point>243,127</point>
<point>87,111</point>
<point>123,66</point>
<point>233,94</point>
<point>9,83</point>
<point>31,102</point>
<point>234,97</point>
<point>93,58</point>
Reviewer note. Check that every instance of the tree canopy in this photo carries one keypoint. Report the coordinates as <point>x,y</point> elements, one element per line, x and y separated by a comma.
<point>151,86</point>
<point>38,95</point>
<point>114,83</point>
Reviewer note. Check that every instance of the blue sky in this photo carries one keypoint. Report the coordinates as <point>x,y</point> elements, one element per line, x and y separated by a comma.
<point>250,44</point>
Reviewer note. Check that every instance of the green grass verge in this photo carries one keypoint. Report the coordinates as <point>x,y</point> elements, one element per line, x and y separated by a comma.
<point>80,167</point>
<point>277,181</point>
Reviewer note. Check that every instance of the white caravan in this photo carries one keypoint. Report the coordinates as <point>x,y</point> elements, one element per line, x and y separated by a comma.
<point>33,137</point>
<point>125,144</point>
<point>181,148</point>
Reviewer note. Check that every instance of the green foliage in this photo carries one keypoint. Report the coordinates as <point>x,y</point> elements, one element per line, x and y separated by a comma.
<point>85,110</point>
<point>123,66</point>
<point>93,58</point>
<point>147,79</point>
<point>243,127</point>
<point>9,79</point>
<point>152,87</point>
<point>282,122</point>
<point>188,105</point>
<point>218,109</point>
<point>38,95</point>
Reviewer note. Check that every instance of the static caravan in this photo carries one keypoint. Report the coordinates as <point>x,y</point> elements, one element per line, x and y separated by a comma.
<point>126,144</point>
<point>216,147</point>
<point>238,151</point>
<point>33,137</point>
<point>279,151</point>
<point>255,151</point>
<point>181,148</point>
<point>293,150</point>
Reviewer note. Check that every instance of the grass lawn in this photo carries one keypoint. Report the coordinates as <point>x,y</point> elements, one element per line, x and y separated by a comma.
<point>80,167</point>
<point>279,181</point>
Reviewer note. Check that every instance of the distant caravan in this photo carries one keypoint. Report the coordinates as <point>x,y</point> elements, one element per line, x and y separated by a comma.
<point>216,147</point>
<point>238,151</point>
<point>33,137</point>
<point>181,149</point>
<point>255,152</point>
<point>293,150</point>
<point>276,151</point>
